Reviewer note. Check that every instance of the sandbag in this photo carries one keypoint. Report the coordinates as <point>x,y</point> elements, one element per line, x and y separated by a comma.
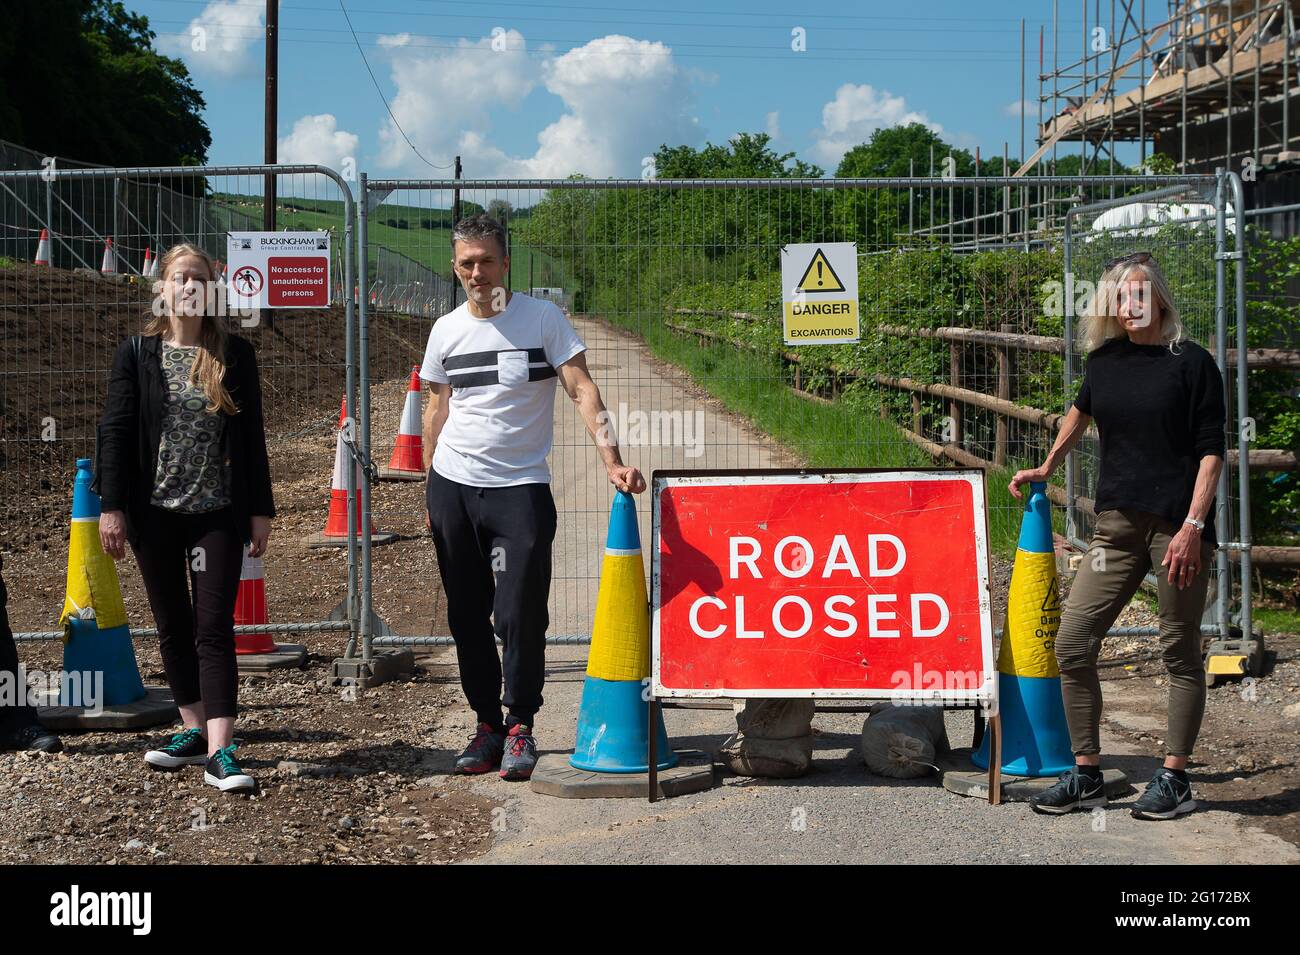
<point>903,741</point>
<point>773,738</point>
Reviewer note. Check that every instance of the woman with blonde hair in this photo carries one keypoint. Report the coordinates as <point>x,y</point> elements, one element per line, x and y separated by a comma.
<point>1158,401</point>
<point>183,477</point>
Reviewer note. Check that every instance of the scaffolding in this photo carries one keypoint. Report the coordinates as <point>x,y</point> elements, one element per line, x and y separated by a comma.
<point>1211,85</point>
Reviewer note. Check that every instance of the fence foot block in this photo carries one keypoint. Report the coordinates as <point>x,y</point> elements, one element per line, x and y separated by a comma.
<point>388,474</point>
<point>384,666</point>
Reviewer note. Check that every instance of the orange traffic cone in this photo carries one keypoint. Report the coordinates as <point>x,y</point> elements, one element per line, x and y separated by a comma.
<point>336,525</point>
<point>250,607</point>
<point>43,249</point>
<point>408,452</point>
<point>148,262</point>
<point>109,265</point>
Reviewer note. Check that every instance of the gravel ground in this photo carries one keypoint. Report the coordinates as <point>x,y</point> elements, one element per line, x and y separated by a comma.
<point>365,778</point>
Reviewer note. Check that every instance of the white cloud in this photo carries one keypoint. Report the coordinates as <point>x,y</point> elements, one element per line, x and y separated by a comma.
<point>622,98</point>
<point>1013,109</point>
<point>854,114</point>
<point>220,38</point>
<point>774,125</point>
<point>317,140</point>
<point>444,97</point>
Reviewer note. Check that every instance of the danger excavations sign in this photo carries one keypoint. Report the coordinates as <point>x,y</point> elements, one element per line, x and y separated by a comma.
<point>819,289</point>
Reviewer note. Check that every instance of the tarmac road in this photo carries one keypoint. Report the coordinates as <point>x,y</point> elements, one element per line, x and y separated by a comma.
<point>837,813</point>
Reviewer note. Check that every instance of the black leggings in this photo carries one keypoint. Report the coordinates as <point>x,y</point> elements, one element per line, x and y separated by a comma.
<point>494,555</point>
<point>195,616</point>
<point>21,714</point>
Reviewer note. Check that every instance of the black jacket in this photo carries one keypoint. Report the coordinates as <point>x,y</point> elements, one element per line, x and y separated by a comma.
<point>131,429</point>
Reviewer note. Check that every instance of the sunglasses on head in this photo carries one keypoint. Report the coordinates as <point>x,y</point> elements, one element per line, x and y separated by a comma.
<point>1133,258</point>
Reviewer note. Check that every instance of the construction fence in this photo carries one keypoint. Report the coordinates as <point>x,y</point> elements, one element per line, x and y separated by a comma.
<point>964,358</point>
<point>60,324</point>
<point>967,353</point>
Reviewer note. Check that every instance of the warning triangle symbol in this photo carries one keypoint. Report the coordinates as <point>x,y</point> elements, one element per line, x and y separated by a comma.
<point>1051,599</point>
<point>819,276</point>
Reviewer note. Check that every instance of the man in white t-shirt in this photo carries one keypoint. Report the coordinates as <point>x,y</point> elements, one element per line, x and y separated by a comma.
<point>493,364</point>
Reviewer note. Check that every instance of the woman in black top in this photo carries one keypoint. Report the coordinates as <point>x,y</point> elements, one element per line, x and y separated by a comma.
<point>1157,398</point>
<point>183,477</point>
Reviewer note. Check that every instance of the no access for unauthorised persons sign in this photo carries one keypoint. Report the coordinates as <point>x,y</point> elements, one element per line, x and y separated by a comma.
<point>278,269</point>
<point>860,584</point>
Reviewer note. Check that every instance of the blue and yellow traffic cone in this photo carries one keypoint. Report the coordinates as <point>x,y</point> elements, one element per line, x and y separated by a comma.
<point>96,639</point>
<point>613,721</point>
<point>1035,739</point>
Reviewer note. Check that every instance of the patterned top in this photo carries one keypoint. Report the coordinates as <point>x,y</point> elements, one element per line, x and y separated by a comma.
<point>191,475</point>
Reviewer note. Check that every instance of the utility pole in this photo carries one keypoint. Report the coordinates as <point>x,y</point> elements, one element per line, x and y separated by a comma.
<point>269,129</point>
<point>455,217</point>
<point>268,132</point>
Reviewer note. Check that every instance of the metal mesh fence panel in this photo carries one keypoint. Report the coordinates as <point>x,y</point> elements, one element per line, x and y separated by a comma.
<point>61,322</point>
<point>675,287</point>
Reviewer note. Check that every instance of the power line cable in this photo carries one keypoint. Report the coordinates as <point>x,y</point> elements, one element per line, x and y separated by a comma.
<point>431,165</point>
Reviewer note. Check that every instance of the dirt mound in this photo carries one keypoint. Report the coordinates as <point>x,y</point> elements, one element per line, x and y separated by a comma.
<point>60,329</point>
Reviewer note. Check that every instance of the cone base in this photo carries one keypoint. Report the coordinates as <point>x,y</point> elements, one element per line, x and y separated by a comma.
<point>555,777</point>
<point>1035,738</point>
<point>281,656</point>
<point>613,724</point>
<point>397,474</point>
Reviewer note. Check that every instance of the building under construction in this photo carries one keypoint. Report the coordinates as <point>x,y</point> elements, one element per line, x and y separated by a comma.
<point>1210,85</point>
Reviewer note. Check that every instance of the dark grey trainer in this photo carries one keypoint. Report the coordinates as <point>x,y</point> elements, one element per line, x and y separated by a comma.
<point>1166,796</point>
<point>30,737</point>
<point>1072,791</point>
<point>521,753</point>
<point>483,754</point>
<point>187,748</point>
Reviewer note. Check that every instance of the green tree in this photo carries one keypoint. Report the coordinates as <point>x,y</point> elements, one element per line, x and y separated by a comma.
<point>746,156</point>
<point>81,78</point>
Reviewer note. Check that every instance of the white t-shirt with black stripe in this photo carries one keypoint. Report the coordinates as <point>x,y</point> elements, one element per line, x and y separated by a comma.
<point>502,372</point>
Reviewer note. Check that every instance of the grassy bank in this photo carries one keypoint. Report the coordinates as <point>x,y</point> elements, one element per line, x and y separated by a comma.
<point>845,433</point>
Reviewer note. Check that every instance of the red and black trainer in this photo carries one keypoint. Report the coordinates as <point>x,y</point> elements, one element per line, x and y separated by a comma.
<point>521,753</point>
<point>483,754</point>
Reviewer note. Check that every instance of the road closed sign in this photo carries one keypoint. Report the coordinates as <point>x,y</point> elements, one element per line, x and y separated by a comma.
<point>278,269</point>
<point>868,585</point>
<point>819,288</point>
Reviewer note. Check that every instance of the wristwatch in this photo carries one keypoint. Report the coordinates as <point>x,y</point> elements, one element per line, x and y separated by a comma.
<point>1199,525</point>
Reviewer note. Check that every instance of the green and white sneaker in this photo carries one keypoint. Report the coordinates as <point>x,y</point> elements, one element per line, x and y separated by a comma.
<point>223,772</point>
<point>187,748</point>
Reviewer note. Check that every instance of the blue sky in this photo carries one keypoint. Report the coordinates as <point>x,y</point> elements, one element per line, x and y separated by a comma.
<point>594,86</point>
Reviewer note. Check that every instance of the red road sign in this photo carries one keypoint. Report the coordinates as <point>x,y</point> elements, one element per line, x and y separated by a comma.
<point>298,280</point>
<point>851,584</point>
